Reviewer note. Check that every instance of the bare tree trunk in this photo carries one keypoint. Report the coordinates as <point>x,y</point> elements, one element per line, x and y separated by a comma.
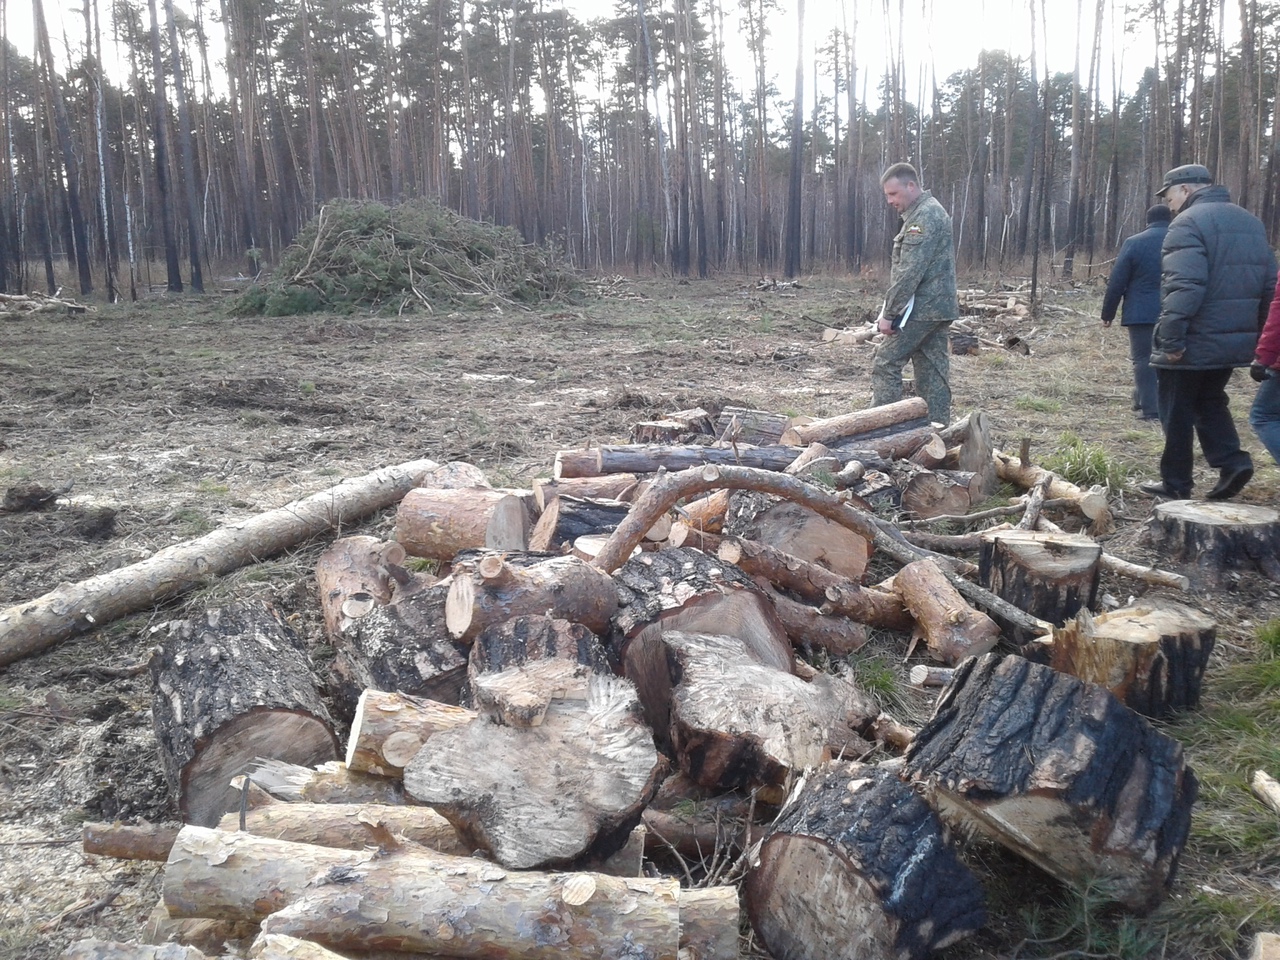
<point>161,120</point>
<point>190,176</point>
<point>795,182</point>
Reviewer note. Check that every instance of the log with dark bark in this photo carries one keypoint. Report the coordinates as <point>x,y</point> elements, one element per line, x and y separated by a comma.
<point>491,588</point>
<point>811,629</point>
<point>651,458</point>
<point>565,519</point>
<point>390,728</point>
<point>615,486</point>
<point>1215,538</point>
<point>353,576</point>
<point>1052,576</point>
<point>736,723</point>
<point>230,687</point>
<point>832,429</point>
<point>796,530</point>
<point>402,646</point>
<point>857,866</point>
<point>574,786</point>
<point>74,608</point>
<point>951,628</point>
<point>350,826</point>
<point>439,523</point>
<point>1152,658</point>
<point>1060,772</point>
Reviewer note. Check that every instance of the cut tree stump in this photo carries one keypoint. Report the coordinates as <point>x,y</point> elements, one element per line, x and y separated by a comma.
<point>1153,658</point>
<point>574,786</point>
<point>857,866</point>
<point>796,530</point>
<point>1061,773</point>
<point>951,628</point>
<point>350,826</point>
<point>1217,538</point>
<point>737,723</point>
<point>422,902</point>
<point>1051,576</point>
<point>491,588</point>
<point>231,687</point>
<point>74,608</point>
<point>439,523</point>
<point>390,728</point>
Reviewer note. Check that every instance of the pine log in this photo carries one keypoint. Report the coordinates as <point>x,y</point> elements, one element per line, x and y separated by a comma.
<point>353,578</point>
<point>455,475</point>
<point>1266,789</point>
<point>951,628</point>
<point>231,687</point>
<point>798,531</point>
<point>737,723</point>
<point>330,782</point>
<point>639,458</point>
<point>896,445</point>
<point>1052,576</point>
<point>1153,658</point>
<point>589,547</point>
<point>811,629</point>
<point>1215,538</point>
<point>658,431</point>
<point>931,455</point>
<point>857,866</point>
<point>615,486</point>
<point>1091,503</point>
<point>456,906</point>
<point>402,646</point>
<point>91,949</point>
<point>144,841</point>
<point>439,523</point>
<point>744,425</point>
<point>1061,773</point>
<point>214,937</point>
<point>275,946</point>
<point>71,609</point>
<point>542,796</point>
<point>709,919</point>
<point>851,424</point>
<point>349,826</point>
<point>814,451</point>
<point>493,588</point>
<point>708,514</point>
<point>390,728</point>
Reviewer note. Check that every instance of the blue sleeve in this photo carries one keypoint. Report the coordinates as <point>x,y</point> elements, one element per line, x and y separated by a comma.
<point>1118,282</point>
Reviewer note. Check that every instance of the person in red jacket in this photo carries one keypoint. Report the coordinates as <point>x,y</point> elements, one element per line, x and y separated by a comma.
<point>1264,415</point>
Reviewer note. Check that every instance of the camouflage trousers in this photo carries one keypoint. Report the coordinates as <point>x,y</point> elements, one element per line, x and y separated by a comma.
<point>927,346</point>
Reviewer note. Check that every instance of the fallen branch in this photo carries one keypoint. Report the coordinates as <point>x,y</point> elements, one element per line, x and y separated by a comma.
<point>71,609</point>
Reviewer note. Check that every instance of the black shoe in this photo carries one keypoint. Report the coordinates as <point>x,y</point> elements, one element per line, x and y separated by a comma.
<point>1149,416</point>
<point>1158,488</point>
<point>1230,483</point>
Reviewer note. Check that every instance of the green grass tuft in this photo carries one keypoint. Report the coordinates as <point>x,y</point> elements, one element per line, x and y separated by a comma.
<point>1086,464</point>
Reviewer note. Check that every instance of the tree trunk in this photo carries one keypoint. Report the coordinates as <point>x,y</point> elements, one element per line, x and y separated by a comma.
<point>228,689</point>
<point>757,427</point>
<point>952,629</point>
<point>811,629</point>
<point>438,523</point>
<point>1052,576</point>
<point>1214,539</point>
<point>649,459</point>
<point>847,425</point>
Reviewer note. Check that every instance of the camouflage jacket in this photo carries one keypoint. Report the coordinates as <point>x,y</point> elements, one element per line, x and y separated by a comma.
<point>924,264</point>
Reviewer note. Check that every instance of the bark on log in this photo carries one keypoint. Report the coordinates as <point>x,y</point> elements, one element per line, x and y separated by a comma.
<point>650,459</point>
<point>454,475</point>
<point>1051,576</point>
<point>814,451</point>
<point>798,531</point>
<point>402,646</point>
<point>670,488</point>
<point>92,949</point>
<point>390,728</point>
<point>353,578</point>
<point>146,841</point>
<point>931,455</point>
<point>494,588</point>
<point>460,907</point>
<point>857,866</point>
<point>572,787</point>
<point>708,514</point>
<point>737,723</point>
<point>74,608</point>
<point>744,425</point>
<point>1091,503</point>
<point>658,431</point>
<point>1060,772</point>
<point>811,629</point>
<point>1153,658</point>
<point>349,826</point>
<point>276,946</point>
<point>227,689</point>
<point>977,455</point>
<point>1214,538</point>
<point>832,429</point>
<point>439,523</point>
<point>615,486</point>
<point>951,628</point>
<point>565,519</point>
<point>898,445</point>
<point>330,782</point>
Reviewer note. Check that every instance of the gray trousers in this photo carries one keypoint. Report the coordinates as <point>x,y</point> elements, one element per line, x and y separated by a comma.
<point>926,344</point>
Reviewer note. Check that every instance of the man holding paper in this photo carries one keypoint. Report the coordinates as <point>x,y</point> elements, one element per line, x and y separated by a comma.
<point>921,302</point>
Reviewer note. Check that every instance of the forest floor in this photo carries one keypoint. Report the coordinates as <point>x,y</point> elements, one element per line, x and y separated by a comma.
<point>172,418</point>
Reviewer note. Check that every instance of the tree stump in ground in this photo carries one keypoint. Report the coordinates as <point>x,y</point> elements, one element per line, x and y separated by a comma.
<point>573,786</point>
<point>796,530</point>
<point>439,523</point>
<point>1050,575</point>
<point>1215,538</point>
<point>951,628</point>
<point>228,688</point>
<point>857,866</point>
<point>1152,658</point>
<point>1061,773</point>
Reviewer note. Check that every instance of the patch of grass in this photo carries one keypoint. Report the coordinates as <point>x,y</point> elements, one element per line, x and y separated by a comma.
<point>306,387</point>
<point>212,487</point>
<point>1085,924</point>
<point>422,565</point>
<point>23,942</point>
<point>1038,404</point>
<point>1086,464</point>
<point>193,521</point>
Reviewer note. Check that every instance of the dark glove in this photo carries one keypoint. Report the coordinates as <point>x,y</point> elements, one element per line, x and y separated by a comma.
<point>1258,372</point>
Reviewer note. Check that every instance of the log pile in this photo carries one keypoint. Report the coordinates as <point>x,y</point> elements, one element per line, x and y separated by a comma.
<point>539,720</point>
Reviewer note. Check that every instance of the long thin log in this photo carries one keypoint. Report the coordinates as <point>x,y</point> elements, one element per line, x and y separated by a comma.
<point>71,609</point>
<point>672,487</point>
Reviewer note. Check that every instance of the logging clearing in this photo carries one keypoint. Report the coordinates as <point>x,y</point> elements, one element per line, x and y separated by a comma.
<point>656,501</point>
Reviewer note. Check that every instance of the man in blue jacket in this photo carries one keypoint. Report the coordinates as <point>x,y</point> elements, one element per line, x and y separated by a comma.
<point>1135,279</point>
<point>1218,277</point>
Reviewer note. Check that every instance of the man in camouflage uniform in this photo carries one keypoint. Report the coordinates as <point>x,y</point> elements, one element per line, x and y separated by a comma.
<point>924,267</point>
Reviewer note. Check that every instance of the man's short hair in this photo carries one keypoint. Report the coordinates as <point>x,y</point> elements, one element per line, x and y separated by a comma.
<point>904,172</point>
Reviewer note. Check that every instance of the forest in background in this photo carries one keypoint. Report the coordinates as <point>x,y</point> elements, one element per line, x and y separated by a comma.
<point>627,141</point>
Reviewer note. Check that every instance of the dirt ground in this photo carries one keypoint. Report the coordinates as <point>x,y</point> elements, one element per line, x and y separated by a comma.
<point>168,418</point>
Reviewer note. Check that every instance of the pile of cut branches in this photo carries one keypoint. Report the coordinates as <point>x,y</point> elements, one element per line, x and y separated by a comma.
<point>362,254</point>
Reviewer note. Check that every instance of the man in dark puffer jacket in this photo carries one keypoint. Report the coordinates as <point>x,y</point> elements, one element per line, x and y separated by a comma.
<point>1218,275</point>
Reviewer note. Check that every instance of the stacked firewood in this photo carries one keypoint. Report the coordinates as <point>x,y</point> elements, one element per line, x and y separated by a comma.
<point>20,304</point>
<point>987,319</point>
<point>607,672</point>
